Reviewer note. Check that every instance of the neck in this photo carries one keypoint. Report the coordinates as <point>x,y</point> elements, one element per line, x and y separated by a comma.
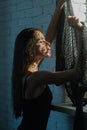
<point>34,66</point>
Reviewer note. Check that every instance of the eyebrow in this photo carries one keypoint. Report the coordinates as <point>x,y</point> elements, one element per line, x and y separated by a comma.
<point>40,38</point>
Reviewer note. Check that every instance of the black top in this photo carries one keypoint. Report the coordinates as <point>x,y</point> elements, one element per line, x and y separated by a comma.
<point>36,112</point>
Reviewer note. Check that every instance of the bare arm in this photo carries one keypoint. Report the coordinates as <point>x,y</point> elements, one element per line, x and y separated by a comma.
<point>39,80</point>
<point>46,77</point>
<point>52,28</point>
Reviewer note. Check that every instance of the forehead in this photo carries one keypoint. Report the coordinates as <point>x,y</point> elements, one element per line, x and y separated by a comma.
<point>38,35</point>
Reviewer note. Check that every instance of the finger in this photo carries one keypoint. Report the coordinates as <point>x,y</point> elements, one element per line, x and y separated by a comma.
<point>77,20</point>
<point>69,16</point>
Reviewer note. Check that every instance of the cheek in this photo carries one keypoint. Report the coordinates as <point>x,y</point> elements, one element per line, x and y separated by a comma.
<point>37,50</point>
<point>40,50</point>
<point>43,49</point>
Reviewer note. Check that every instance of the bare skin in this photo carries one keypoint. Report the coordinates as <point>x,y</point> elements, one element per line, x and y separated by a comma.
<point>36,83</point>
<point>52,28</point>
<point>75,22</point>
<point>38,79</point>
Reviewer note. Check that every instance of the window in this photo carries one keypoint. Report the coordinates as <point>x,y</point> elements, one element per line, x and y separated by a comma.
<point>80,9</point>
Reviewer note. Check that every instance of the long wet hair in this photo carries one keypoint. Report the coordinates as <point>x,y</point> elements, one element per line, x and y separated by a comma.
<point>23,56</point>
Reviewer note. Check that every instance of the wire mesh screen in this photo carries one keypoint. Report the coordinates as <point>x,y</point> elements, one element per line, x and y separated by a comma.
<point>74,52</point>
<point>69,40</point>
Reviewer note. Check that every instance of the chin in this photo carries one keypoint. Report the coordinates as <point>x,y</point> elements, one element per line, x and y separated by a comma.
<point>48,55</point>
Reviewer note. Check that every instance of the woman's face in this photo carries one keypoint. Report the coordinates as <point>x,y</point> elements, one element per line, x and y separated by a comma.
<point>42,47</point>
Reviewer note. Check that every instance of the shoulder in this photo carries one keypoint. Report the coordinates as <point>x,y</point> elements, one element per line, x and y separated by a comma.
<point>38,77</point>
<point>25,77</point>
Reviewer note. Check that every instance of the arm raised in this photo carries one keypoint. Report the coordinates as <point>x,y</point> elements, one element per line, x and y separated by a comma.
<point>52,28</point>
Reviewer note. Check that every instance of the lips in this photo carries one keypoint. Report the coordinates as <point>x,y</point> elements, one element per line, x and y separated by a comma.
<point>48,52</point>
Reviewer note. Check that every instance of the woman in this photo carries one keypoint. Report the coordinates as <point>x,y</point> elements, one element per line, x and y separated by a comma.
<point>31,94</point>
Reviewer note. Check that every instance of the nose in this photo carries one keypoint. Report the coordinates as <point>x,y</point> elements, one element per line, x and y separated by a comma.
<point>47,43</point>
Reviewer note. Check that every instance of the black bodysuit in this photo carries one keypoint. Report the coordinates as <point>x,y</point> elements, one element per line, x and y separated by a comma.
<point>36,112</point>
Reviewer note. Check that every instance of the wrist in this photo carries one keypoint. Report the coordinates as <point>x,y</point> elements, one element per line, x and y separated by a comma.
<point>81,25</point>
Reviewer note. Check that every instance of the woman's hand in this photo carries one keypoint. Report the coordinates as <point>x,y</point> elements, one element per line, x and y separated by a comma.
<point>61,3</point>
<point>75,22</point>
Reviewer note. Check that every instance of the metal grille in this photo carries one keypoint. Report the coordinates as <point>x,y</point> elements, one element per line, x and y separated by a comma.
<point>74,48</point>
